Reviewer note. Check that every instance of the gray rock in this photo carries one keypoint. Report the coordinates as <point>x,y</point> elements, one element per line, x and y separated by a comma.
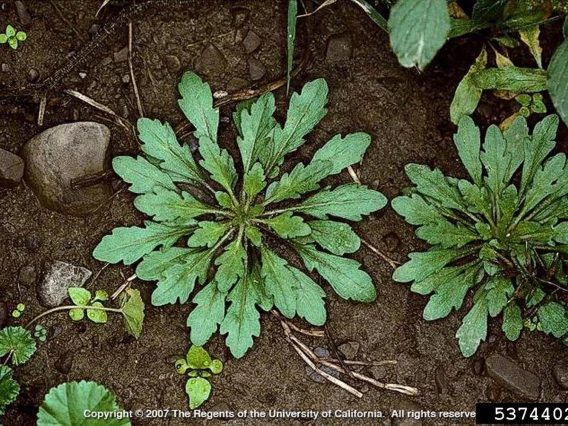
<point>240,15</point>
<point>441,379</point>
<point>320,379</point>
<point>211,61</point>
<point>560,373</point>
<point>321,352</point>
<point>6,68</point>
<point>173,63</point>
<point>57,156</point>
<point>379,372</point>
<point>512,377</point>
<point>64,363</point>
<point>28,275</point>
<point>59,277</point>
<point>237,83</point>
<point>339,47</point>
<point>251,42</point>
<point>23,14</point>
<point>121,55</point>
<point>256,69</point>
<point>3,314</point>
<point>349,349</point>
<point>406,420</point>
<point>33,75</point>
<point>11,169</point>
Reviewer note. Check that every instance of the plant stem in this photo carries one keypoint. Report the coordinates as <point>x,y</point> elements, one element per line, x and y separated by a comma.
<point>68,308</point>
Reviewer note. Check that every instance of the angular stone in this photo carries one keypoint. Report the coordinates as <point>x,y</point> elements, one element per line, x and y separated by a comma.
<point>211,61</point>
<point>28,275</point>
<point>59,277</point>
<point>64,363</point>
<point>349,349</point>
<point>240,15</point>
<point>256,69</point>
<point>379,372</point>
<point>560,373</point>
<point>251,42</point>
<point>237,83</point>
<point>11,169</point>
<point>59,155</point>
<point>121,55</point>
<point>512,377</point>
<point>339,47</point>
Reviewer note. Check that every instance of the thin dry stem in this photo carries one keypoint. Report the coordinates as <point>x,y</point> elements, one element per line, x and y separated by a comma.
<point>131,67</point>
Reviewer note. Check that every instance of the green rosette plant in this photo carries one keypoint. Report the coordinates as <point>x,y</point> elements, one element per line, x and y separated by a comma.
<point>235,222</point>
<point>501,236</point>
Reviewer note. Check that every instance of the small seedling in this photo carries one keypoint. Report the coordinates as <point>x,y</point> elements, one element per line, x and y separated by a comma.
<point>40,333</point>
<point>12,37</point>
<point>198,366</point>
<point>20,308</point>
<point>530,104</point>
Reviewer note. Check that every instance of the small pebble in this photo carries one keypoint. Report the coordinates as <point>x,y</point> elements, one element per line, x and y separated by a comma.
<point>65,363</point>
<point>6,68</point>
<point>379,372</point>
<point>121,55</point>
<point>349,349</point>
<point>94,29</point>
<point>251,42</point>
<point>23,13</point>
<point>256,69</point>
<point>28,275</point>
<point>126,79</point>
<point>240,15</point>
<point>33,75</point>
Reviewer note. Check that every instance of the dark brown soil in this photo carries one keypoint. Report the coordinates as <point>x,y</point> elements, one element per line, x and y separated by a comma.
<point>407,114</point>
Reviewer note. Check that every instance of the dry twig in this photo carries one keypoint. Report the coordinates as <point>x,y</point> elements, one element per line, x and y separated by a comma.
<point>131,67</point>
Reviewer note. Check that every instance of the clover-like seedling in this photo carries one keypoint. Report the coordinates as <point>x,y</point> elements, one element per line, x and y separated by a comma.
<point>40,333</point>
<point>530,104</point>
<point>20,308</point>
<point>12,37</point>
<point>198,365</point>
<point>236,222</point>
<point>501,235</point>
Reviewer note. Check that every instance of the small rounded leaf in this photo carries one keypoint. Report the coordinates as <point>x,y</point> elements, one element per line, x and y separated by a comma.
<point>10,31</point>
<point>101,295</point>
<point>21,307</point>
<point>3,38</point>
<point>21,36</point>
<point>198,358</point>
<point>216,366</point>
<point>79,296</point>
<point>198,390</point>
<point>77,314</point>
<point>16,313</point>
<point>97,315</point>
<point>181,366</point>
<point>13,42</point>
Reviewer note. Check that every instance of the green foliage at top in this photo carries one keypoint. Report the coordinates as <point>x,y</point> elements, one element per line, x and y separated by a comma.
<point>65,405</point>
<point>198,365</point>
<point>18,342</point>
<point>228,238</point>
<point>12,37</point>
<point>500,236</point>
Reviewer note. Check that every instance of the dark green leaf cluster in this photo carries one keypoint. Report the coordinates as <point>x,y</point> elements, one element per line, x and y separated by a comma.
<point>501,236</point>
<point>232,216</point>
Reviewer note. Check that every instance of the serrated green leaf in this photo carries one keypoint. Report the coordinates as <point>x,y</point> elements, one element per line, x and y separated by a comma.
<point>178,280</point>
<point>254,235</point>
<point>218,162</point>
<point>159,141</point>
<point>450,295</point>
<point>558,80</point>
<point>198,389</point>
<point>343,274</point>
<point>473,329</point>
<point>288,226</point>
<point>446,234</point>
<point>207,234</point>
<point>416,210</point>
<point>512,321</point>
<point>336,237</point>
<point>305,111</point>
<point>310,303</point>
<point>9,388</point>
<point>350,201</point>
<point>230,266</point>
<point>166,205</point>
<point>141,174</point>
<point>513,79</point>
<point>343,152</point>
<point>300,180</point>
<point>254,181</point>
<point>255,124</point>
<point>433,281</point>
<point>553,318</point>
<point>496,160</point>
<point>279,281</point>
<point>19,342</point>
<point>133,312</point>
<point>207,315</point>
<point>241,322</point>
<point>97,315</point>
<point>434,184</point>
<point>130,244</point>
<point>500,289</point>
<point>66,405</point>
<point>543,182</point>
<point>468,143</point>
<point>418,30</point>
<point>486,11</point>
<point>80,296</point>
<point>154,264</point>
<point>197,105</point>
<point>423,264</point>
